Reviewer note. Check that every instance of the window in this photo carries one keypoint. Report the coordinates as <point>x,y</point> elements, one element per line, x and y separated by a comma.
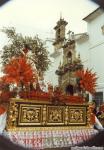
<point>69,57</point>
<point>58,33</point>
<point>87,97</point>
<point>69,54</point>
<point>102,28</point>
<point>98,98</point>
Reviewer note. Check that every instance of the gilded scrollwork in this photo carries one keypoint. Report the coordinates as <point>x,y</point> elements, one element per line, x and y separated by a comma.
<point>44,114</point>
<point>66,115</point>
<point>77,115</point>
<point>13,114</point>
<point>30,115</point>
<point>24,114</point>
<point>55,114</point>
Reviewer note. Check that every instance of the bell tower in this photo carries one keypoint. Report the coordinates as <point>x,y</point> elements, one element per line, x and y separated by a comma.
<point>66,71</point>
<point>57,55</point>
<point>60,34</point>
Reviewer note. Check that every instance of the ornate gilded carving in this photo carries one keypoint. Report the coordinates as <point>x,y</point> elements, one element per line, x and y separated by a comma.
<point>77,115</point>
<point>44,114</point>
<point>66,115</point>
<point>29,113</point>
<point>55,114</point>
<point>13,114</point>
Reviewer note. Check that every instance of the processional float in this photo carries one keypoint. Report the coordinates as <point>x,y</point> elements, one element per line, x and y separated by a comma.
<point>46,119</point>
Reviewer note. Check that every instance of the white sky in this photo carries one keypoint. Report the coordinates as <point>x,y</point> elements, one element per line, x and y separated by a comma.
<point>31,17</point>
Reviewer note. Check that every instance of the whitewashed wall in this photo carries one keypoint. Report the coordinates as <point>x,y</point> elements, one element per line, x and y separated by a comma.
<point>50,75</point>
<point>92,50</point>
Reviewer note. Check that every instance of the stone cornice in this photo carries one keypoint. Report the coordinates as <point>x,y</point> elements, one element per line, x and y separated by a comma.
<point>82,37</point>
<point>93,15</point>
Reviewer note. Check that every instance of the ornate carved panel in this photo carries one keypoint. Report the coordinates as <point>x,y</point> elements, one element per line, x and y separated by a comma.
<point>77,115</point>
<point>55,115</point>
<point>29,113</point>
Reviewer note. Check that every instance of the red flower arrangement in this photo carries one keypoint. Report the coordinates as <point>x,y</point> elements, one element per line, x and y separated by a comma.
<point>35,95</point>
<point>87,80</point>
<point>17,71</point>
<point>5,96</point>
<point>2,110</point>
<point>52,97</point>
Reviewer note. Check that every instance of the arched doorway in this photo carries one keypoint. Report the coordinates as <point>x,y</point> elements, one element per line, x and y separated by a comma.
<point>69,56</point>
<point>69,89</point>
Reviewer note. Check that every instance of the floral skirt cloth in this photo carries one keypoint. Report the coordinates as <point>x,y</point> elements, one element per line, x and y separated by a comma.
<point>50,138</point>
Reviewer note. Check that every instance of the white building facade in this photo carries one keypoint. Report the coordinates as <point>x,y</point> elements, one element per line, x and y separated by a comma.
<point>91,48</point>
<point>90,45</point>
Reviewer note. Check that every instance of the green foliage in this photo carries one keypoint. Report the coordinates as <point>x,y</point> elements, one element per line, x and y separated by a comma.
<point>16,44</point>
